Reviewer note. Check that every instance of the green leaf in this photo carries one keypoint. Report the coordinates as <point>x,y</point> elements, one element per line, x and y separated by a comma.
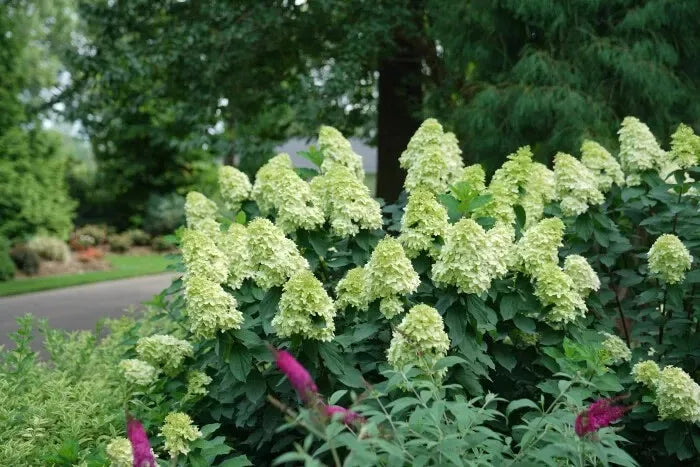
<point>240,217</point>
<point>240,461</point>
<point>241,361</point>
<point>319,242</point>
<point>313,155</point>
<point>509,306</point>
<point>520,404</point>
<point>478,202</point>
<point>504,356</point>
<point>209,429</point>
<point>520,216</point>
<point>525,324</point>
<point>657,425</point>
<point>449,361</point>
<point>336,396</point>
<point>674,437</point>
<point>452,205</point>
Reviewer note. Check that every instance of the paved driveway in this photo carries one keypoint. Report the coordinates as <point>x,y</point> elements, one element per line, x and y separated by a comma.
<point>81,306</point>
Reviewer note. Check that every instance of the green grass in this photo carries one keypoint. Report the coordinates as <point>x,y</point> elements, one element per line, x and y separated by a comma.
<point>123,266</point>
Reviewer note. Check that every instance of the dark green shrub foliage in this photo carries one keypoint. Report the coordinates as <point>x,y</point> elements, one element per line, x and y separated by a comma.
<point>7,267</point>
<point>164,214</point>
<point>139,237</point>
<point>119,242</point>
<point>26,259</point>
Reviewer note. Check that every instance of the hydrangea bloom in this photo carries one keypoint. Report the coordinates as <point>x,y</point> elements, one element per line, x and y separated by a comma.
<point>390,306</point>
<point>119,452</point>
<point>639,150</point>
<point>604,166</point>
<point>577,187</point>
<point>346,202</point>
<point>539,245</point>
<point>178,432</point>
<point>646,372</point>
<point>420,339</point>
<point>464,259</point>
<point>582,274</point>
<point>198,208</point>
<point>305,309</point>
<point>600,414</point>
<point>432,158</point>
<point>352,290</point>
<point>429,134</point>
<point>298,376</point>
<point>669,258</point>
<point>424,220</point>
<point>338,151</point>
<point>197,382</point>
<point>685,147</point>
<point>140,445</point>
<point>234,244</point>
<point>164,351</point>
<point>523,340</point>
<point>554,287</point>
<point>234,187</point>
<point>501,249</point>
<point>273,257</point>
<point>677,395</point>
<point>138,372</point>
<point>614,349</point>
<point>278,186</point>
<point>389,272</point>
<point>506,185</point>
<point>474,175</point>
<point>540,188</point>
<point>202,257</point>
<point>209,308</point>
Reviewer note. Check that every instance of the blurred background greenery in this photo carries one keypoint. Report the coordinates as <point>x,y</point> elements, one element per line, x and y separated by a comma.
<point>111,109</point>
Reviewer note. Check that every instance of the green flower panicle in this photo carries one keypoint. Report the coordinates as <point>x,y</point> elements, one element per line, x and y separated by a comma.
<point>337,150</point>
<point>582,274</point>
<point>553,287</point>
<point>210,309</point>
<point>234,244</point>
<point>474,175</point>
<point>391,306</point>
<point>646,372</point>
<point>419,340</point>
<point>389,272</point>
<point>464,259</point>
<point>273,257</point>
<point>119,452</point>
<point>199,208</point>
<point>424,221</point>
<point>685,147</point>
<point>669,259</point>
<point>305,309</point>
<point>352,290</point>
<point>202,257</point>
<point>346,202</point>
<point>197,382</point>
<point>576,186</point>
<point>164,351</point>
<point>677,395</point>
<point>602,164</point>
<point>138,372</point>
<point>639,150</point>
<point>234,187</point>
<point>614,350</point>
<point>179,431</point>
<point>539,246</point>
<point>540,189</point>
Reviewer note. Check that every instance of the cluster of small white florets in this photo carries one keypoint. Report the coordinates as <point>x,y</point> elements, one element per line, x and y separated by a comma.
<point>676,395</point>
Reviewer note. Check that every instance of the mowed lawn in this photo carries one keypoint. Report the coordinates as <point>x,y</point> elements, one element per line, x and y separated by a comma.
<point>123,266</point>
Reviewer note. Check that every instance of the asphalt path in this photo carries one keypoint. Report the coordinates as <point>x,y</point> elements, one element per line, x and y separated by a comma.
<point>80,307</point>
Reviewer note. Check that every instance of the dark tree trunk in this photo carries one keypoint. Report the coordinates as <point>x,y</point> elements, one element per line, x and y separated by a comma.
<point>399,113</point>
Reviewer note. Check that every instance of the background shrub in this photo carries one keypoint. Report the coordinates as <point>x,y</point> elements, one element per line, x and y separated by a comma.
<point>139,237</point>
<point>164,213</point>
<point>49,248</point>
<point>7,267</point>
<point>119,242</point>
<point>88,235</point>
<point>26,259</point>
<point>161,243</point>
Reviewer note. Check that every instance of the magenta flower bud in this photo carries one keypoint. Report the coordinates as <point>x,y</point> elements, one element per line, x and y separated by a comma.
<point>140,446</point>
<point>299,378</point>
<point>348,415</point>
<point>598,415</point>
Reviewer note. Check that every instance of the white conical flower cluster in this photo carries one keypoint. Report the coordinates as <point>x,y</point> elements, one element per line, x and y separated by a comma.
<point>200,211</point>
<point>419,340</point>
<point>424,221</point>
<point>234,187</point>
<point>305,309</point>
<point>577,187</point>
<point>279,188</point>
<point>639,150</point>
<point>604,166</point>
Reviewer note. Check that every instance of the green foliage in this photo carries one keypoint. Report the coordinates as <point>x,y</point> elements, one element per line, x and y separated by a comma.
<point>7,266</point>
<point>164,214</point>
<point>49,248</point>
<point>61,410</point>
<point>26,259</point>
<point>139,237</point>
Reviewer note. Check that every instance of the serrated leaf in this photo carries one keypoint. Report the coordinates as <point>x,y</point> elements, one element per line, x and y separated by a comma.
<point>520,404</point>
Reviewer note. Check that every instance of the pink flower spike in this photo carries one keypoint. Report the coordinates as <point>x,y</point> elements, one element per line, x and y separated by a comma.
<point>299,378</point>
<point>599,414</point>
<point>349,416</point>
<point>140,446</point>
